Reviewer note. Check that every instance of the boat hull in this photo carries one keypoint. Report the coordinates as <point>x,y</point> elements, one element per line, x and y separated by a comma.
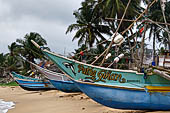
<point>65,86</point>
<point>123,98</point>
<point>34,88</point>
<point>31,84</point>
<point>58,80</point>
<point>34,85</point>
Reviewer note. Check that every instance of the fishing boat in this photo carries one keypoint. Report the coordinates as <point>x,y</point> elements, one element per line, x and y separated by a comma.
<point>128,97</point>
<point>116,88</point>
<point>86,72</point>
<point>31,84</point>
<point>58,80</point>
<point>147,89</point>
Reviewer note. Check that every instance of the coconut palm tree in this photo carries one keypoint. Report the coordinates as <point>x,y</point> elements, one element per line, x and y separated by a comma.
<point>155,32</point>
<point>14,49</point>
<point>115,9</point>
<point>2,59</point>
<point>89,27</point>
<point>9,63</point>
<point>26,49</point>
<point>12,63</point>
<point>167,17</point>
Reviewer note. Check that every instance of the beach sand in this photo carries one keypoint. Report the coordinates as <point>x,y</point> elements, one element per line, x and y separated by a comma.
<point>54,101</point>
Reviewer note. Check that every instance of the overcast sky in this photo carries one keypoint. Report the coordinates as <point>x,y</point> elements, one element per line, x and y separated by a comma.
<point>49,18</point>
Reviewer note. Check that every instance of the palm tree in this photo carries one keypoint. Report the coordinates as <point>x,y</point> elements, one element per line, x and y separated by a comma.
<point>2,59</point>
<point>9,63</point>
<point>12,63</point>
<point>167,17</point>
<point>89,27</point>
<point>164,40</point>
<point>155,14</point>
<point>115,9</point>
<point>26,49</point>
<point>14,49</point>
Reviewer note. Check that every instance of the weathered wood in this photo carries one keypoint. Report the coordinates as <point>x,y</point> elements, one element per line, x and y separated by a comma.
<point>160,68</point>
<point>148,20</point>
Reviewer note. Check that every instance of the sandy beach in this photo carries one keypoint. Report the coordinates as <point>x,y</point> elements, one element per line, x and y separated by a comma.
<point>54,101</point>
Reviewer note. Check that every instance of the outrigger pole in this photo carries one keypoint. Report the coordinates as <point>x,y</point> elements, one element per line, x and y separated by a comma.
<point>149,20</point>
<point>156,23</point>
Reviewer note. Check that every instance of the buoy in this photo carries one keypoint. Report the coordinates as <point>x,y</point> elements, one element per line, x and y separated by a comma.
<point>118,40</point>
<point>81,53</point>
<point>121,55</point>
<point>108,55</point>
<point>118,58</point>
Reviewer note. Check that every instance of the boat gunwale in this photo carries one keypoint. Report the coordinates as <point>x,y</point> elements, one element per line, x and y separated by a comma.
<point>31,80</point>
<point>24,77</point>
<point>117,70</point>
<point>62,81</point>
<point>163,89</point>
<point>52,72</point>
<point>110,86</point>
<point>15,78</point>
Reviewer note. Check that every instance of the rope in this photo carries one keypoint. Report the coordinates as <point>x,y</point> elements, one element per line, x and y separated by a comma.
<point>107,50</point>
<point>132,23</point>
<point>139,16</point>
<point>154,23</point>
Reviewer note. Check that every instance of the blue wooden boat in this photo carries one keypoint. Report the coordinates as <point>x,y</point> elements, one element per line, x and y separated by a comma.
<point>125,89</point>
<point>58,80</point>
<point>65,86</point>
<point>127,97</point>
<point>31,84</point>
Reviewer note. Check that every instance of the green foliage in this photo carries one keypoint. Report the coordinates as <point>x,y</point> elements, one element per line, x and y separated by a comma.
<point>2,59</point>
<point>161,51</point>
<point>27,49</point>
<point>22,47</point>
<point>115,9</point>
<point>89,25</point>
<point>9,63</point>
